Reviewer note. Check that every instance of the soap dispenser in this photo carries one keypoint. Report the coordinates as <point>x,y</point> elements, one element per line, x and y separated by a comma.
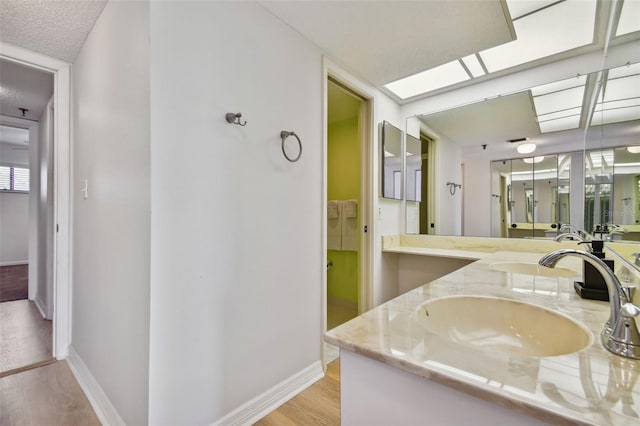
<point>594,287</point>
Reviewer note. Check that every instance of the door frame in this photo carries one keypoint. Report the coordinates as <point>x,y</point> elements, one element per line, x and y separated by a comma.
<point>61,189</point>
<point>366,130</point>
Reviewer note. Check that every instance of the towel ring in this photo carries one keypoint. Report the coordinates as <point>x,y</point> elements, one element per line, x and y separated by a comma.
<point>284,135</point>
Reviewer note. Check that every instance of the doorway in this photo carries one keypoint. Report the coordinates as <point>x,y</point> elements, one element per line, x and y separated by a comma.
<point>59,236</point>
<point>344,197</point>
<point>26,189</point>
<point>348,198</point>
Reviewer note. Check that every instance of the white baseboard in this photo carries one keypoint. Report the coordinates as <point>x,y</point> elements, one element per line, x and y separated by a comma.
<point>14,263</point>
<point>40,307</point>
<point>106,412</point>
<point>263,404</point>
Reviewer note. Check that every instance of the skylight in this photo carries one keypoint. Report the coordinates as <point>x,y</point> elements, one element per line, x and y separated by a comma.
<point>621,101</point>
<point>426,81</point>
<point>543,28</point>
<point>559,105</point>
<point>561,27</point>
<point>629,21</point>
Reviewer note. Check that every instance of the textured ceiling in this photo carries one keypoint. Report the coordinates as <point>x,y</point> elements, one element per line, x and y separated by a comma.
<point>383,41</point>
<point>53,28</point>
<point>23,87</point>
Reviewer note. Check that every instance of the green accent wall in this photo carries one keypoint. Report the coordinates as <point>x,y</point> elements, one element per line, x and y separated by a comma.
<point>343,183</point>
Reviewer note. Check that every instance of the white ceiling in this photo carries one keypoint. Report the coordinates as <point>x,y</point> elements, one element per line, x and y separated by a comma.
<point>53,28</point>
<point>382,41</point>
<point>24,87</point>
<point>487,122</point>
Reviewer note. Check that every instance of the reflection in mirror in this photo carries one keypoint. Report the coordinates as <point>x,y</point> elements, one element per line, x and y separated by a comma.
<point>419,171</point>
<point>391,170</point>
<point>612,197</point>
<point>563,190</point>
<point>597,187</point>
<point>530,196</point>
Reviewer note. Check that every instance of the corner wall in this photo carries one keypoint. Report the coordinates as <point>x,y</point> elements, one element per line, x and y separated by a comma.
<point>111,228</point>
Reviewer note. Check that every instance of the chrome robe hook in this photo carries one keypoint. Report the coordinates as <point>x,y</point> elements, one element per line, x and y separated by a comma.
<point>234,118</point>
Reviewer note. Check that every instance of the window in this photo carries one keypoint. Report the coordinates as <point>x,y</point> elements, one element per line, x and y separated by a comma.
<point>14,179</point>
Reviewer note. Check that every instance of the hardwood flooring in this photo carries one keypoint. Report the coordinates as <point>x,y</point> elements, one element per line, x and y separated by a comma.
<point>48,395</point>
<point>14,282</point>
<point>25,337</point>
<point>317,405</point>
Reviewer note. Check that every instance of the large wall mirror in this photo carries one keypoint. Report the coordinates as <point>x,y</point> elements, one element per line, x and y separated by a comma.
<point>391,161</point>
<point>508,194</point>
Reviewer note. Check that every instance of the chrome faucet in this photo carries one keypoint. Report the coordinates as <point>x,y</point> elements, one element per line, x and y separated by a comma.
<point>570,236</point>
<point>620,334</point>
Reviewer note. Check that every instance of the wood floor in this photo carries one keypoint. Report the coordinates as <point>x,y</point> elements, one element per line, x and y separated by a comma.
<point>14,282</point>
<point>48,395</point>
<point>25,337</point>
<point>317,405</point>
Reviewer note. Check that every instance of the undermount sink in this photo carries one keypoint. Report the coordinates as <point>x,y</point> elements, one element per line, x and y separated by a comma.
<point>531,269</point>
<point>503,325</point>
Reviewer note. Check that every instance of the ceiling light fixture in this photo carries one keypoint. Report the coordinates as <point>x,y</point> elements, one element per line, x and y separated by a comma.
<point>531,160</point>
<point>526,148</point>
<point>634,149</point>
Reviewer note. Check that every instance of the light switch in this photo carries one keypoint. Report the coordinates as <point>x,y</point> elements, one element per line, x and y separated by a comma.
<point>85,189</point>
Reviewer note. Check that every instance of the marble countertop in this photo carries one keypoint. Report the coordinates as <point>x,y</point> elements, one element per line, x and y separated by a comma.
<point>438,252</point>
<point>588,387</point>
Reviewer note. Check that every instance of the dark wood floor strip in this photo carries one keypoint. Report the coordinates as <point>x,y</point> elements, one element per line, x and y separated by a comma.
<point>27,367</point>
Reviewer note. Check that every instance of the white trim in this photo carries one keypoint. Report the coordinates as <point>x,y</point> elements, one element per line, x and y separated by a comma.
<point>62,188</point>
<point>106,412</point>
<point>17,262</point>
<point>263,404</point>
<point>367,123</point>
<point>40,305</point>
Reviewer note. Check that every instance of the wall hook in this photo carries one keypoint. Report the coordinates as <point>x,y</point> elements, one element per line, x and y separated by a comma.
<point>234,118</point>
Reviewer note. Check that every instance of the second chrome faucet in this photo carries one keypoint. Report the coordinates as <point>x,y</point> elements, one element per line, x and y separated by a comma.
<point>620,334</point>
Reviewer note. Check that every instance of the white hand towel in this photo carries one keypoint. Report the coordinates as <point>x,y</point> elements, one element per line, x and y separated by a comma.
<point>350,208</point>
<point>350,234</point>
<point>334,226</point>
<point>332,209</point>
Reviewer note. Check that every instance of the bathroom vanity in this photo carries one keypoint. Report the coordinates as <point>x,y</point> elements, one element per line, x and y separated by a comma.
<point>397,370</point>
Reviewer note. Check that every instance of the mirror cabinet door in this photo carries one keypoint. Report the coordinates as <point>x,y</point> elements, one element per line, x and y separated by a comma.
<point>414,186</point>
<point>545,195</point>
<point>598,188</point>
<point>501,198</point>
<point>626,194</point>
<point>563,199</point>
<point>391,155</point>
<point>523,202</point>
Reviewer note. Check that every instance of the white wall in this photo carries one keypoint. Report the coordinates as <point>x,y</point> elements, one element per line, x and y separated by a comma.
<point>388,215</point>
<point>236,240</point>
<point>14,228</point>
<point>42,193</point>
<point>449,207</point>
<point>14,213</point>
<point>111,229</point>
